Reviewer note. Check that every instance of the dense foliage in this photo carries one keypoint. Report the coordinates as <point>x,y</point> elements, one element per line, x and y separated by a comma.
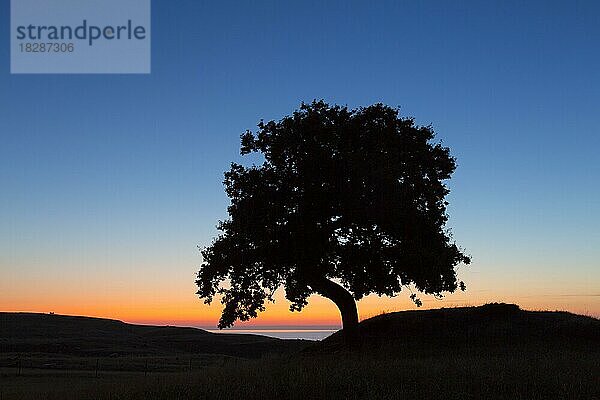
<point>355,196</point>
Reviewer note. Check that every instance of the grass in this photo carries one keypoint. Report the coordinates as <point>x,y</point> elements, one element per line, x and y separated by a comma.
<point>483,374</point>
<point>491,352</point>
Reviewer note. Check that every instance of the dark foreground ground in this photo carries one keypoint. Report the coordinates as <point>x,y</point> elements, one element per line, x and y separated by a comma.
<point>490,352</point>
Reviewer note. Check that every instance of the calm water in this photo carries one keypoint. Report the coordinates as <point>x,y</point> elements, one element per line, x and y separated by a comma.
<point>310,334</point>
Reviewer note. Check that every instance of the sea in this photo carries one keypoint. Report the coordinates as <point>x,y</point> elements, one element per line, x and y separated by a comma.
<point>307,334</point>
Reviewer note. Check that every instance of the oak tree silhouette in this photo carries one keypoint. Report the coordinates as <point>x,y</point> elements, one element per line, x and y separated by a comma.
<point>346,203</point>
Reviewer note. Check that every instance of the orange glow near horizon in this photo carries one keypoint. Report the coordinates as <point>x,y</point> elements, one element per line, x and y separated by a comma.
<point>166,296</point>
<point>187,310</point>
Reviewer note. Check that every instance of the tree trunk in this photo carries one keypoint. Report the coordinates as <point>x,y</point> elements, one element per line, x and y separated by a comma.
<point>344,301</point>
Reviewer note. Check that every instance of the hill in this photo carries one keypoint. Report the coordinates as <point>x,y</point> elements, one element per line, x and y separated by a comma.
<point>492,325</point>
<point>26,333</point>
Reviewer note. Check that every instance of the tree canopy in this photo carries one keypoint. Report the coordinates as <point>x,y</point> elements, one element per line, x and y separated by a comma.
<point>346,203</point>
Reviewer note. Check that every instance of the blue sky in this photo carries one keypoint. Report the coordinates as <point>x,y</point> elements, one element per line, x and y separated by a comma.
<point>115,179</point>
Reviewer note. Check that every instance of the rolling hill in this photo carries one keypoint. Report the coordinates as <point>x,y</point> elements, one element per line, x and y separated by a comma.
<point>22,333</point>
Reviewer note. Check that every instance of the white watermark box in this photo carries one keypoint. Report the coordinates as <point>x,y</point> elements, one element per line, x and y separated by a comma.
<point>80,36</point>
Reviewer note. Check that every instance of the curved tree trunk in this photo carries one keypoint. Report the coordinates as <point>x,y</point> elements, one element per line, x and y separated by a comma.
<point>343,300</point>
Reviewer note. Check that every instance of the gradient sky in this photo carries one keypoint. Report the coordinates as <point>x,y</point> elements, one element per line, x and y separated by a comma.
<point>109,182</point>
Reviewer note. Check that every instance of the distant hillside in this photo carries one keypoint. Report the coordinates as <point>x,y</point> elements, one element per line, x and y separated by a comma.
<point>491,325</point>
<point>86,337</point>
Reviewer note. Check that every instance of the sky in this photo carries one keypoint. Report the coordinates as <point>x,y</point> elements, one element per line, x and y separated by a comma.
<point>108,183</point>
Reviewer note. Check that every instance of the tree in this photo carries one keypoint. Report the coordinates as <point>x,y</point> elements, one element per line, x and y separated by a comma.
<point>346,203</point>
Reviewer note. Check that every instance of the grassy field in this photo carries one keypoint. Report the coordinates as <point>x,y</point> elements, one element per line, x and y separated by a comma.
<point>497,352</point>
<point>484,374</point>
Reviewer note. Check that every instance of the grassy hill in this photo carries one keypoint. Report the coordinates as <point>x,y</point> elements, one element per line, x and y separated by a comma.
<point>490,326</point>
<point>96,337</point>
